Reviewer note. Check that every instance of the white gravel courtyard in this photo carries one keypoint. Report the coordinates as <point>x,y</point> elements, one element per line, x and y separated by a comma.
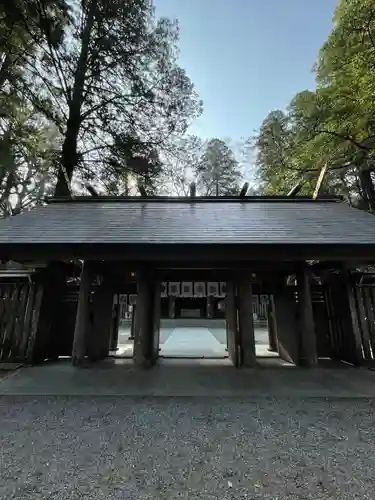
<point>107,448</point>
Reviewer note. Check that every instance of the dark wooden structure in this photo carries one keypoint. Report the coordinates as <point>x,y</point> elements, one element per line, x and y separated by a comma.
<point>301,253</point>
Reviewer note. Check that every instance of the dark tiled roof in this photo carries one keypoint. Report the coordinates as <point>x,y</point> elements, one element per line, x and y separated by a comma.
<point>191,221</point>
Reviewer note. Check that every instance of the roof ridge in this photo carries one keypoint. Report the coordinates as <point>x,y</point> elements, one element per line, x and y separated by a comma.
<point>188,199</point>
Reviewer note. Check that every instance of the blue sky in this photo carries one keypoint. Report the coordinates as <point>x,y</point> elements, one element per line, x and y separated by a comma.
<point>247,57</point>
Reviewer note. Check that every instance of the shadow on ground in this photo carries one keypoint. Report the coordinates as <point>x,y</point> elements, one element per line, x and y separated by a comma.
<point>202,378</point>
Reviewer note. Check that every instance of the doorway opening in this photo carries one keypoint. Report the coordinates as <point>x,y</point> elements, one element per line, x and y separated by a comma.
<point>123,315</point>
<point>191,328</point>
<point>193,338</point>
<point>193,322</point>
<point>266,348</point>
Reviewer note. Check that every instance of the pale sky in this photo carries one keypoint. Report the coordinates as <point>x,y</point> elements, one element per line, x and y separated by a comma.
<point>247,57</point>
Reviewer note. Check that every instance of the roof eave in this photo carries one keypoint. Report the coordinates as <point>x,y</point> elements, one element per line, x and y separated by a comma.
<point>189,200</point>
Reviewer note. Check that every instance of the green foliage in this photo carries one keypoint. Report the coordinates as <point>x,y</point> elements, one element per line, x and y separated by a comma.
<point>334,124</point>
<point>27,140</point>
<point>211,164</point>
<point>131,164</point>
<point>114,73</point>
<point>273,153</point>
<point>217,171</point>
<point>103,76</point>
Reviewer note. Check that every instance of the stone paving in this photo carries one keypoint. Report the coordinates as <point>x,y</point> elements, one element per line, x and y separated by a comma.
<point>192,342</point>
<point>196,341</point>
<point>209,373</point>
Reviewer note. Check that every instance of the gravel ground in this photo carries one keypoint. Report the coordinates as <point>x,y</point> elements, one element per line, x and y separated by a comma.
<point>112,448</point>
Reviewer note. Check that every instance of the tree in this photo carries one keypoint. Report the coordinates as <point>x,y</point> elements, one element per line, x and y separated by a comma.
<point>113,76</point>
<point>26,155</point>
<point>180,161</point>
<point>344,69</point>
<point>218,171</point>
<point>289,148</point>
<point>211,164</point>
<point>334,124</point>
<point>273,159</point>
<point>21,23</point>
<point>132,166</point>
<point>27,140</point>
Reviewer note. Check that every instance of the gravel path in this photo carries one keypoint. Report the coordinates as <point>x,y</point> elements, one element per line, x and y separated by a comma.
<point>112,448</point>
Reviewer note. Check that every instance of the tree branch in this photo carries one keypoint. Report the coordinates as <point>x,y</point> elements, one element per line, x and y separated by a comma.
<point>345,138</point>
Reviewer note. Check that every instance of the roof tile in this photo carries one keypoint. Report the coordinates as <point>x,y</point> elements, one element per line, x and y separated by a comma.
<point>193,222</point>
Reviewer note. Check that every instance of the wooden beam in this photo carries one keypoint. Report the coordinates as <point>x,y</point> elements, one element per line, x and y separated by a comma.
<point>244,190</point>
<point>142,191</point>
<point>92,190</point>
<point>299,185</point>
<point>320,180</point>
<point>191,255</point>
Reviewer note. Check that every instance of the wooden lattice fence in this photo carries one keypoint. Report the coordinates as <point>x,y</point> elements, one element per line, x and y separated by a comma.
<point>19,310</point>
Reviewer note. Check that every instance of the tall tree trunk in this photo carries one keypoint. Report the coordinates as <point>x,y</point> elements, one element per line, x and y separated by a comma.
<point>367,187</point>
<point>126,192</point>
<point>4,70</point>
<point>69,154</point>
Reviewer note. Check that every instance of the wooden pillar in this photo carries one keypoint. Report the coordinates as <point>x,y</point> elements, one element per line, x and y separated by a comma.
<point>368,298</point>
<point>82,317</point>
<point>354,329</point>
<point>272,338</point>
<point>285,322</point>
<point>171,306</point>
<point>246,323</point>
<point>156,325</point>
<point>52,284</point>
<point>132,323</point>
<point>27,319</point>
<point>146,338</point>
<point>209,306</point>
<point>308,344</point>
<point>232,324</point>
<point>100,329</point>
<point>34,322</point>
<point>115,324</point>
